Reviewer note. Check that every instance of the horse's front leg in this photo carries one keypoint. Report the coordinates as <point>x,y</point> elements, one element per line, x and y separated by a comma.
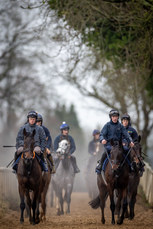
<point>103,196</point>
<point>131,205</point>
<point>68,196</point>
<point>112,203</point>
<point>22,203</point>
<point>29,205</point>
<point>124,206</point>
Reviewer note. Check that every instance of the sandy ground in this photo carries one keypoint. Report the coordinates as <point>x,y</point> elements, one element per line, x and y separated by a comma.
<point>81,216</point>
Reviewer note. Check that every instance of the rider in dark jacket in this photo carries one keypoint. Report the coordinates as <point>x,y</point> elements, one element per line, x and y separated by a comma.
<point>126,122</point>
<point>112,130</point>
<point>64,135</point>
<point>40,137</point>
<point>48,142</point>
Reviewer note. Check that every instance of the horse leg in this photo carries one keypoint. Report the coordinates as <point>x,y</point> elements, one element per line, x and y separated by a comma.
<point>22,203</point>
<point>124,207</point>
<point>112,205</point>
<point>28,206</point>
<point>131,205</point>
<point>103,196</point>
<point>68,197</point>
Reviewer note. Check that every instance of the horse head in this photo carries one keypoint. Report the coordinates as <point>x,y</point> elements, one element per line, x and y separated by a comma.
<point>136,153</point>
<point>28,154</point>
<point>116,155</point>
<point>63,148</point>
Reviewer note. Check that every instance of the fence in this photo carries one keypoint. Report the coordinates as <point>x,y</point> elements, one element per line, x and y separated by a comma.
<point>146,183</point>
<point>9,184</point>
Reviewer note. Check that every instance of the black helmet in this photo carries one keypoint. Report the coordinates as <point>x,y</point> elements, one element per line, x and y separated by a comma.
<point>113,112</point>
<point>126,116</point>
<point>32,114</point>
<point>39,118</point>
<point>95,132</point>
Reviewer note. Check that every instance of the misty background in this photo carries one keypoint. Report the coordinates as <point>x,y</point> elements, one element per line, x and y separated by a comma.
<point>46,66</point>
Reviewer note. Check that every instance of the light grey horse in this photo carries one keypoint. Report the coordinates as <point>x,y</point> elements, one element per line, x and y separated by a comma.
<point>63,179</point>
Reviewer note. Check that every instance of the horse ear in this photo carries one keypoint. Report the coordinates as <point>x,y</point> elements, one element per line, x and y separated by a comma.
<point>139,138</point>
<point>34,132</point>
<point>24,132</point>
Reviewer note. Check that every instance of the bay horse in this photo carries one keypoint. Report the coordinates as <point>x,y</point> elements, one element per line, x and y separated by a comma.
<point>63,179</point>
<point>115,178</point>
<point>29,175</point>
<point>134,177</point>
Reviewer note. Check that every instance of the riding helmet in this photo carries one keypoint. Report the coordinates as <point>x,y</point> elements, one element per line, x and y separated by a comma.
<point>64,126</point>
<point>32,114</point>
<point>95,132</point>
<point>39,118</point>
<point>126,116</point>
<point>113,112</point>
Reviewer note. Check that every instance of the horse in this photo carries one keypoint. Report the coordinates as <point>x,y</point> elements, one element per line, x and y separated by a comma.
<point>115,178</point>
<point>29,175</point>
<point>63,179</point>
<point>90,175</point>
<point>134,177</point>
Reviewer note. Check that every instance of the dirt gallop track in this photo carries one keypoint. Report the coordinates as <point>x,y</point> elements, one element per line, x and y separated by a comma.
<point>82,216</point>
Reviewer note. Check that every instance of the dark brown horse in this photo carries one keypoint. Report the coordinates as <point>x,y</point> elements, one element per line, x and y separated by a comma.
<point>29,176</point>
<point>116,177</point>
<point>134,177</point>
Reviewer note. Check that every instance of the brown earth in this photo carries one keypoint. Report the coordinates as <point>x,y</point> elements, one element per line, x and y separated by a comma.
<point>81,216</point>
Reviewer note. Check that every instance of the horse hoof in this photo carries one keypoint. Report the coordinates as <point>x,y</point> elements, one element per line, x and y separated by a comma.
<point>21,221</point>
<point>120,221</point>
<point>103,221</point>
<point>113,222</point>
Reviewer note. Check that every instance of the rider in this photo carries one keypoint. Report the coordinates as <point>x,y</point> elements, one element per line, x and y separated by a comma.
<point>40,139</point>
<point>112,130</point>
<point>94,147</point>
<point>39,122</point>
<point>64,135</point>
<point>126,122</point>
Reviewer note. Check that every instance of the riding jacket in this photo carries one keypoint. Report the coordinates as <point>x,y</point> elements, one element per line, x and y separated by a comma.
<point>68,138</point>
<point>48,138</point>
<point>115,131</point>
<point>133,134</point>
<point>40,137</point>
<point>94,146</point>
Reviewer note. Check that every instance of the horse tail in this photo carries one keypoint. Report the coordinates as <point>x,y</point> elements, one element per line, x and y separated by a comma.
<point>95,203</point>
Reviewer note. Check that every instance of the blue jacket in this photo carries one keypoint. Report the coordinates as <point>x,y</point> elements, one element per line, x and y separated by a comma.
<point>40,137</point>
<point>115,131</point>
<point>132,132</point>
<point>70,140</point>
<point>48,138</point>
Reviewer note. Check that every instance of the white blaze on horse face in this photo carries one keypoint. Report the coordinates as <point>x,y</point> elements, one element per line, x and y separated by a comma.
<point>63,147</point>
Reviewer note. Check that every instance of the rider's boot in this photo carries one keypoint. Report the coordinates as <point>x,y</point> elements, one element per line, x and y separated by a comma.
<point>51,163</point>
<point>100,163</point>
<point>15,164</point>
<point>43,163</point>
<point>74,164</point>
